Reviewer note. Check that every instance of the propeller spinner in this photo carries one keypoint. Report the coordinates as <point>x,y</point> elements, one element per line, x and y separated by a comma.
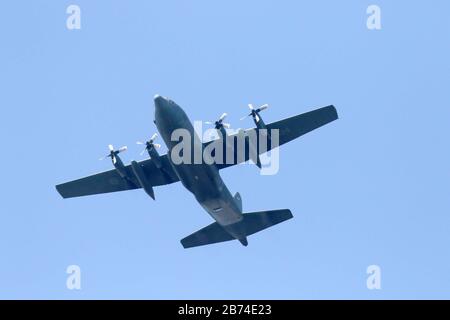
<point>113,153</point>
<point>255,112</point>
<point>219,123</point>
<point>149,145</point>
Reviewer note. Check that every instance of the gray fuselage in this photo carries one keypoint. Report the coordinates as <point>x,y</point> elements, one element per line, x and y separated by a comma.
<point>202,179</point>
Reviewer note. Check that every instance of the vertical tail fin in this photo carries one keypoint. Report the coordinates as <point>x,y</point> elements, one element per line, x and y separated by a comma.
<point>238,199</point>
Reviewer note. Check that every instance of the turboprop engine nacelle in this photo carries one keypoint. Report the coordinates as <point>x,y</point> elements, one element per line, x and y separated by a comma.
<point>116,161</point>
<point>151,147</point>
<point>154,155</point>
<point>220,126</point>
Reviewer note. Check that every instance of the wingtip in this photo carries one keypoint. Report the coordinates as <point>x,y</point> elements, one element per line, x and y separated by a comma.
<point>57,187</point>
<point>332,107</point>
<point>289,212</point>
<point>183,243</point>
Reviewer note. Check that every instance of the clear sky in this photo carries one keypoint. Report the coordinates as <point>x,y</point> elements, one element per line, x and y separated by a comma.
<point>369,189</point>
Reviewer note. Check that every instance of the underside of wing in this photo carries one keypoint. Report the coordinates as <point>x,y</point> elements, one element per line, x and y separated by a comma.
<point>296,126</point>
<point>104,182</point>
<point>112,181</point>
<point>286,130</point>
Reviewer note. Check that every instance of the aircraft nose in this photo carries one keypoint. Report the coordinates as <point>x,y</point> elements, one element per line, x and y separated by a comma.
<point>162,110</point>
<point>159,100</point>
<point>160,104</point>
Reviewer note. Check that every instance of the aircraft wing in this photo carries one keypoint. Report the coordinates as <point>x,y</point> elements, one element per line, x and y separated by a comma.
<point>111,181</point>
<point>289,129</point>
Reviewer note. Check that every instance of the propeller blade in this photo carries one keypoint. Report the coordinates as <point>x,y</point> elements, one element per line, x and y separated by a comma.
<point>245,117</point>
<point>122,149</point>
<point>143,151</point>
<point>223,116</point>
<point>208,122</point>
<point>263,107</point>
<point>226,125</point>
<point>154,137</point>
<point>250,106</point>
<point>140,142</point>
<point>111,148</point>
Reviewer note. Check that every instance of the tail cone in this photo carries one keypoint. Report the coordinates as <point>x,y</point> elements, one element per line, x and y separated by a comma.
<point>243,241</point>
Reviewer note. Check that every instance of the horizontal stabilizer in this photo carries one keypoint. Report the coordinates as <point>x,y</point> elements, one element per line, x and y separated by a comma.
<point>257,221</point>
<point>211,234</point>
<point>250,224</point>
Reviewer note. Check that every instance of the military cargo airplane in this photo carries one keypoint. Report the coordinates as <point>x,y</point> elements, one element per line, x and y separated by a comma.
<point>202,179</point>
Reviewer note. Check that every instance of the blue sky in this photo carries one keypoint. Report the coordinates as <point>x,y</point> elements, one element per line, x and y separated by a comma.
<point>370,188</point>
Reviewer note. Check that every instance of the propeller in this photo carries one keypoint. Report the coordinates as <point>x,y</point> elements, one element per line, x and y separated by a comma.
<point>113,153</point>
<point>149,144</point>
<point>255,112</point>
<point>219,123</point>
